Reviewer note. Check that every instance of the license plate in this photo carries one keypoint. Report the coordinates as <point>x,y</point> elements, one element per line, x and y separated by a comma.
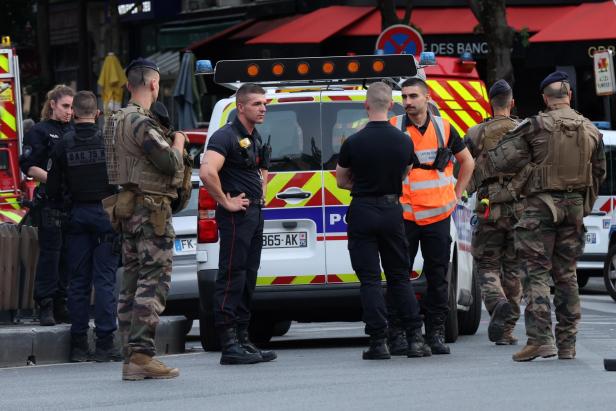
<point>185,246</point>
<point>591,238</point>
<point>285,240</point>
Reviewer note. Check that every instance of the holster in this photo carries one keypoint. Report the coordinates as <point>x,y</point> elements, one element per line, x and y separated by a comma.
<point>160,211</point>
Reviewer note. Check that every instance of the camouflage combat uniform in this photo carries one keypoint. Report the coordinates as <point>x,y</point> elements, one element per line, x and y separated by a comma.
<point>562,159</point>
<point>149,171</point>
<point>499,270</point>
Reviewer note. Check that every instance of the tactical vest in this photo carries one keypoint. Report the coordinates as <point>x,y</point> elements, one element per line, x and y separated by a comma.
<point>490,133</point>
<point>428,195</point>
<point>126,160</point>
<point>86,170</point>
<point>567,166</point>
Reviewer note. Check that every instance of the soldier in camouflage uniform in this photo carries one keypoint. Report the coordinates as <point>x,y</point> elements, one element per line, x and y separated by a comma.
<point>559,154</point>
<point>149,169</point>
<point>498,269</point>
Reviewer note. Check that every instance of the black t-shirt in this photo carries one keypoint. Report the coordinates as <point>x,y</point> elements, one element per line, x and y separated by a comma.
<point>455,141</point>
<point>240,172</point>
<point>378,156</point>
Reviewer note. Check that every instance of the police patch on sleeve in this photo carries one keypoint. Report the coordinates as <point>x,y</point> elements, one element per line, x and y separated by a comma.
<point>155,136</point>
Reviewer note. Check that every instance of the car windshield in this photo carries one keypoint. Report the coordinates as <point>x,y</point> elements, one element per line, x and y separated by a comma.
<point>294,134</point>
<point>607,188</point>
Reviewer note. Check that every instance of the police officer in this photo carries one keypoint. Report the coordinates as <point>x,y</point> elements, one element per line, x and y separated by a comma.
<point>498,268</point>
<point>234,172</point>
<point>149,168</point>
<point>78,165</point>
<point>50,280</point>
<point>560,155</point>
<point>429,196</point>
<point>372,164</point>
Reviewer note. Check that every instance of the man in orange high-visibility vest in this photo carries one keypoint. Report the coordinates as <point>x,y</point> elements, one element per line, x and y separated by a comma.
<point>429,196</point>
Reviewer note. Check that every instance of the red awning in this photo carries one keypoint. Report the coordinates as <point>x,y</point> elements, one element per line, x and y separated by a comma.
<point>461,20</point>
<point>588,21</point>
<point>261,27</point>
<point>315,27</point>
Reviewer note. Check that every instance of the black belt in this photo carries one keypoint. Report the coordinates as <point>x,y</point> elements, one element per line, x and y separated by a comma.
<point>256,202</point>
<point>384,199</point>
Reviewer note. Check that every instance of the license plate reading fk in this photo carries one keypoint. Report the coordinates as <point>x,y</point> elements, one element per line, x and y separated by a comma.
<point>285,240</point>
<point>185,246</point>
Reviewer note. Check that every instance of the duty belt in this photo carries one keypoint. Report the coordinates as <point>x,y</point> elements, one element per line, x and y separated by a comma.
<point>384,199</point>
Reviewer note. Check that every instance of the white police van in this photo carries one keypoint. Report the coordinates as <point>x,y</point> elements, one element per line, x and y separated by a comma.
<point>305,271</point>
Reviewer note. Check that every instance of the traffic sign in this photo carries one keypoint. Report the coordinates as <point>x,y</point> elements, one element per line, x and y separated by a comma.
<point>605,81</point>
<point>400,39</point>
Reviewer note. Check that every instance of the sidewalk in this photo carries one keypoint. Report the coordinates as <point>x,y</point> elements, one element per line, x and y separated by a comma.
<point>28,343</point>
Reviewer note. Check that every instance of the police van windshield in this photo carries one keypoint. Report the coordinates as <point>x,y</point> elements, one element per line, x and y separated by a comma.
<point>294,132</point>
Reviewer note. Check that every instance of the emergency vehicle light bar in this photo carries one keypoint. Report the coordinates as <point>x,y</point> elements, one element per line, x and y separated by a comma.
<point>311,69</point>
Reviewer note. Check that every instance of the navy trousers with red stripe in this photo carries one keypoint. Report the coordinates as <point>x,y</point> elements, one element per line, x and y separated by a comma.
<point>241,236</point>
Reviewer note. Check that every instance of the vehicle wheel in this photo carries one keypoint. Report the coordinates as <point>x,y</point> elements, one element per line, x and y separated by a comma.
<point>582,279</point>
<point>609,272</point>
<point>207,332</point>
<point>468,321</point>
<point>451,324</point>
<point>281,328</point>
<point>261,330</point>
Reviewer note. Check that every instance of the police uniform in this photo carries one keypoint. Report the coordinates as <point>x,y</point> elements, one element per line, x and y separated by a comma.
<point>560,155</point>
<point>241,232</point>
<point>78,165</point>
<point>51,277</point>
<point>498,268</point>
<point>378,157</point>
<point>142,161</point>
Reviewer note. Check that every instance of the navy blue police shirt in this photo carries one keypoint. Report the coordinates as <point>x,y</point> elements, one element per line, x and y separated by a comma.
<point>240,172</point>
<point>377,156</point>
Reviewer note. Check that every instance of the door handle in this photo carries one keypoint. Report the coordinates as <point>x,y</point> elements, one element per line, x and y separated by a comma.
<point>301,194</point>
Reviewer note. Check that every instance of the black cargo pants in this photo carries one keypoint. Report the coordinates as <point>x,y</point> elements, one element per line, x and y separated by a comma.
<point>376,229</point>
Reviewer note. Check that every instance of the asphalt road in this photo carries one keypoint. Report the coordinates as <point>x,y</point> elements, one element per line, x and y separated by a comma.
<point>320,367</point>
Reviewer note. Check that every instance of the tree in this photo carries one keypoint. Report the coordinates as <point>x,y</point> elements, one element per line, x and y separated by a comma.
<point>389,17</point>
<point>492,18</point>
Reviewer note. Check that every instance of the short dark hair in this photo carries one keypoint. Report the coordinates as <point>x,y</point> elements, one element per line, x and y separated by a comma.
<point>415,81</point>
<point>246,89</point>
<point>84,104</point>
<point>501,100</point>
<point>140,76</point>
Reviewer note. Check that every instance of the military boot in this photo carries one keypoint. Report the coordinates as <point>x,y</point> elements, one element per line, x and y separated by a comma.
<point>60,311</point>
<point>530,352</point>
<point>378,349</point>
<point>496,328</point>
<point>80,352</point>
<point>566,353</point>
<point>244,340</point>
<point>106,351</point>
<point>508,338</point>
<point>436,340</point>
<point>396,340</point>
<point>142,366</point>
<point>233,352</point>
<point>417,347</point>
<point>46,312</point>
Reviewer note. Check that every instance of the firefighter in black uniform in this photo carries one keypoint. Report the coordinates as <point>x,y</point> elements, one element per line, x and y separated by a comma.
<point>234,171</point>
<point>372,164</point>
<point>50,281</point>
<point>78,171</point>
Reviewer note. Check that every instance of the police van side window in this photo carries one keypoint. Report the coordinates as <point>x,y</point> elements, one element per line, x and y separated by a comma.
<point>340,120</point>
<point>293,132</point>
<point>607,187</point>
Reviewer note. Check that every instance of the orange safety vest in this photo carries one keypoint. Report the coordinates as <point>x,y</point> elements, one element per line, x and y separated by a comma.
<point>428,196</point>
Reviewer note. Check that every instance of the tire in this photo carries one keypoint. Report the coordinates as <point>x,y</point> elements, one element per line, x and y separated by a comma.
<point>207,332</point>
<point>261,330</point>
<point>468,321</point>
<point>609,272</point>
<point>582,279</point>
<point>281,328</point>
<point>451,324</point>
